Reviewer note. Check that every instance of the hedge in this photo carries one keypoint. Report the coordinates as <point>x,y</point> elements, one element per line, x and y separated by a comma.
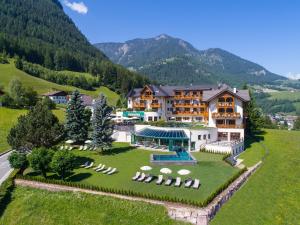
<point>135,193</point>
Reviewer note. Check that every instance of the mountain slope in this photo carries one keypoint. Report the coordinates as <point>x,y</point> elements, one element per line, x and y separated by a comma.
<point>40,32</point>
<point>175,61</point>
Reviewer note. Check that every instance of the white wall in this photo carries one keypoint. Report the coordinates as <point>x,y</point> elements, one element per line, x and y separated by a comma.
<point>122,136</point>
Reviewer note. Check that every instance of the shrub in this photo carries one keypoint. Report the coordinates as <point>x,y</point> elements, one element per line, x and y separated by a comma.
<point>18,160</point>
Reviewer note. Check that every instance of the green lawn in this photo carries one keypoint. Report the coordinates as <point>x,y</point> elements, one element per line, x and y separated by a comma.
<point>9,72</point>
<point>8,117</point>
<point>272,195</point>
<point>35,207</point>
<point>282,95</point>
<point>211,170</point>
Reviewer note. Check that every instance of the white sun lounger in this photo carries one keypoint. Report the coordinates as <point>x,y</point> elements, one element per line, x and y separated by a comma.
<point>70,148</point>
<point>169,181</point>
<point>107,170</point>
<point>149,178</point>
<point>85,147</point>
<point>89,166</point>
<point>196,184</point>
<point>112,171</point>
<point>85,164</point>
<point>178,182</point>
<point>81,147</point>
<point>137,175</point>
<point>101,168</point>
<point>160,179</point>
<point>188,183</point>
<point>142,177</point>
<point>61,147</point>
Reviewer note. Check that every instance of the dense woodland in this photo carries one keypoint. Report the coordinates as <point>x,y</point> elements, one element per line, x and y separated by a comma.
<point>38,31</point>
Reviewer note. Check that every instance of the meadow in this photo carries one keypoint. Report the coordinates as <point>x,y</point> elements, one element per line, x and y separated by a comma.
<point>272,194</point>
<point>9,72</point>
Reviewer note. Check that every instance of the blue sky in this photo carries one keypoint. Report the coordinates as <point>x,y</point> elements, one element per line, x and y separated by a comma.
<point>265,32</point>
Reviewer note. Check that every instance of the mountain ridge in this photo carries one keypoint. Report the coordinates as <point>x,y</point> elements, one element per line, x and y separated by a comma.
<point>172,60</point>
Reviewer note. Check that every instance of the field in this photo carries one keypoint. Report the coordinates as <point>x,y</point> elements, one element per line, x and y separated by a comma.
<point>210,165</point>
<point>35,207</point>
<point>285,95</point>
<point>272,195</point>
<point>9,72</point>
<point>8,117</point>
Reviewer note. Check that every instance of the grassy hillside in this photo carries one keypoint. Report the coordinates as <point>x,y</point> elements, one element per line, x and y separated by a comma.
<point>37,207</point>
<point>285,95</point>
<point>9,72</point>
<point>9,117</point>
<point>271,196</point>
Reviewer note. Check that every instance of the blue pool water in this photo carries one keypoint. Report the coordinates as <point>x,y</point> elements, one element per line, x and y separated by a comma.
<point>179,156</point>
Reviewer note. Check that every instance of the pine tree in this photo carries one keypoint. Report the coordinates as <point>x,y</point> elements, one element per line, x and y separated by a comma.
<point>77,119</point>
<point>102,125</point>
<point>297,124</point>
<point>254,118</point>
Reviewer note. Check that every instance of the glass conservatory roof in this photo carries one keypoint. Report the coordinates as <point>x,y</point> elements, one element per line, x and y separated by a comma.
<point>162,134</point>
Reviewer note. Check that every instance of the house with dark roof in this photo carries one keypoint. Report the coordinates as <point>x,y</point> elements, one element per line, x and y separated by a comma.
<point>59,97</point>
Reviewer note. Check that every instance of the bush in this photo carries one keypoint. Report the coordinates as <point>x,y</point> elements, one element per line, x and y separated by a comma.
<point>18,160</point>
<point>40,159</point>
<point>63,162</point>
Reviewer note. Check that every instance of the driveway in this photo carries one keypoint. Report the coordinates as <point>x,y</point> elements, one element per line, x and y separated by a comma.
<point>5,168</point>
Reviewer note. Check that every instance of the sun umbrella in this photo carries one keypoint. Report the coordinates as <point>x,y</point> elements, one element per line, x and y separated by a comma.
<point>166,171</point>
<point>184,172</point>
<point>146,168</point>
<point>69,141</point>
<point>88,142</point>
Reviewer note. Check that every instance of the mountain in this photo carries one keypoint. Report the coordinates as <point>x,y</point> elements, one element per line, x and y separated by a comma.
<point>174,61</point>
<point>38,31</point>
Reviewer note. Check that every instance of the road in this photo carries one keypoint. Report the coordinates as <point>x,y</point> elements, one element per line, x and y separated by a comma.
<point>5,168</point>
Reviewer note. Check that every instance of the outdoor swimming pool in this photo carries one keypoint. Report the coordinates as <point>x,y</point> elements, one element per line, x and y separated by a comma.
<point>181,157</point>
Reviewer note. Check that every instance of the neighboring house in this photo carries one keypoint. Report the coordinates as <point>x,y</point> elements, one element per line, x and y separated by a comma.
<point>87,101</point>
<point>59,97</point>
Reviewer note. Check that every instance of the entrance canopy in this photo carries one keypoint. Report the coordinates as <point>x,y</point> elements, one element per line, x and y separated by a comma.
<point>162,134</point>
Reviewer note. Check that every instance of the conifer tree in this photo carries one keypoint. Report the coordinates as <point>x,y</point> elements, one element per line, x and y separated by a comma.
<point>102,125</point>
<point>77,119</point>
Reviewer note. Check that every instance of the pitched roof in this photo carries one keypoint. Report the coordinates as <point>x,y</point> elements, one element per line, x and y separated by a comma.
<point>56,93</point>
<point>211,94</point>
<point>87,100</point>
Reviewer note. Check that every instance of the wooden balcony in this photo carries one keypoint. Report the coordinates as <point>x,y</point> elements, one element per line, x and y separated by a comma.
<point>230,126</point>
<point>146,97</point>
<point>233,115</point>
<point>139,105</point>
<point>189,113</point>
<point>188,105</point>
<point>155,105</point>
<point>187,97</point>
<point>225,104</point>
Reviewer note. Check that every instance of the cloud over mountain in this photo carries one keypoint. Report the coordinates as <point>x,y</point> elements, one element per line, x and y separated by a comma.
<point>79,7</point>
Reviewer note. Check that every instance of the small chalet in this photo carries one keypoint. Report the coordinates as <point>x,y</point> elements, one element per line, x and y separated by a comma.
<point>59,97</point>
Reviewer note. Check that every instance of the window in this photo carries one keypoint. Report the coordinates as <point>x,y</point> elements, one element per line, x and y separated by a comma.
<point>221,100</point>
<point>229,99</point>
<point>129,102</point>
<point>168,101</point>
<point>208,136</point>
<point>199,137</point>
<point>194,92</point>
<point>221,110</point>
<point>155,118</point>
<point>150,118</point>
<point>204,137</point>
<point>229,110</point>
<point>186,118</point>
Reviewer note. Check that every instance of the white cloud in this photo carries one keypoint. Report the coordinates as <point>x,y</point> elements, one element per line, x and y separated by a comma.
<point>293,76</point>
<point>79,7</point>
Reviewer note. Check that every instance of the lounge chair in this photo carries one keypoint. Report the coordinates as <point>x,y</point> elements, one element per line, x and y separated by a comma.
<point>188,183</point>
<point>137,175</point>
<point>178,182</point>
<point>149,178</point>
<point>160,179</point>
<point>142,177</point>
<point>107,170</point>
<point>169,181</point>
<point>101,168</point>
<point>90,166</point>
<point>85,164</point>
<point>70,148</point>
<point>85,147</point>
<point>61,147</point>
<point>112,171</point>
<point>81,147</point>
<point>196,184</point>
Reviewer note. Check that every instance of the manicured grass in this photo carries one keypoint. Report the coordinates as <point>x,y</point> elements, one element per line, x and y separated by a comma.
<point>8,118</point>
<point>271,196</point>
<point>282,95</point>
<point>211,170</point>
<point>35,207</point>
<point>9,72</point>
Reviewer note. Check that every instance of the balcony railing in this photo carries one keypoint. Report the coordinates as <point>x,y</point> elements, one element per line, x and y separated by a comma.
<point>139,105</point>
<point>230,126</point>
<point>155,105</point>
<point>233,115</point>
<point>225,104</point>
<point>188,105</point>
<point>189,113</point>
<point>146,97</point>
<point>187,96</point>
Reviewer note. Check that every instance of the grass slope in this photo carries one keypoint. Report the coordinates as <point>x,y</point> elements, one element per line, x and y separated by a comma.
<point>271,196</point>
<point>9,72</point>
<point>35,207</point>
<point>8,117</point>
<point>210,165</point>
<point>285,95</point>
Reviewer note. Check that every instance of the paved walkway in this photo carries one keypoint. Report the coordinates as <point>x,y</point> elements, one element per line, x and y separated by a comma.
<point>5,168</point>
